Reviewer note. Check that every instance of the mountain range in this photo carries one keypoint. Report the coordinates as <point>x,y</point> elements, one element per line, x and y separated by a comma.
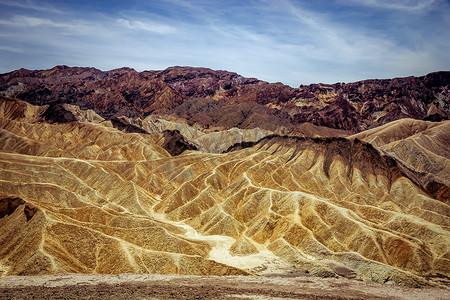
<point>195,171</point>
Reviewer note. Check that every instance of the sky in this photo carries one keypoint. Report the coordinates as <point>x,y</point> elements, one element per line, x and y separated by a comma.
<point>290,41</point>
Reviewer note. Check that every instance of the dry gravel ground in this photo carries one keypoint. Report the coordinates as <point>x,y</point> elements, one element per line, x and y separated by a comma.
<point>145,286</point>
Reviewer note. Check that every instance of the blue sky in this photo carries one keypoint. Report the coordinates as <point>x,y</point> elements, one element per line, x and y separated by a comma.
<point>289,41</point>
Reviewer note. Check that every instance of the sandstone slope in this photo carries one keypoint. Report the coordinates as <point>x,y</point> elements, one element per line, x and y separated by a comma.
<point>422,149</point>
<point>85,197</point>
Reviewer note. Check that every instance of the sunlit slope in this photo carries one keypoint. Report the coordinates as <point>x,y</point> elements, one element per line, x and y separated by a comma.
<point>62,212</point>
<point>311,201</point>
<point>422,147</point>
<point>82,197</point>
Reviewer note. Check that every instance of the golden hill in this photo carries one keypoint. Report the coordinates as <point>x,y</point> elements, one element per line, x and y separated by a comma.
<point>84,197</point>
<point>422,149</point>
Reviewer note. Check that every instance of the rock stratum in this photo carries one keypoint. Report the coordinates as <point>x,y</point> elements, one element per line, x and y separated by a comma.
<point>201,172</point>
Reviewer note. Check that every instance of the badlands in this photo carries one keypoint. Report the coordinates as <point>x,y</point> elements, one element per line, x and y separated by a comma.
<point>192,171</point>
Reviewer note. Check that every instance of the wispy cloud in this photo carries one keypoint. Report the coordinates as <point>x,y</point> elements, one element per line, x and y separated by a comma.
<point>405,5</point>
<point>26,21</point>
<point>326,50</point>
<point>31,5</point>
<point>148,26</point>
<point>12,49</point>
<point>79,27</point>
<point>290,41</point>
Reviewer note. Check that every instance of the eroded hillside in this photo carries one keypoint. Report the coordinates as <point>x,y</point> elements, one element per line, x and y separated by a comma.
<point>84,195</point>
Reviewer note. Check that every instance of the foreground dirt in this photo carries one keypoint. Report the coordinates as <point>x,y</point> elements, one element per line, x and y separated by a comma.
<point>145,286</point>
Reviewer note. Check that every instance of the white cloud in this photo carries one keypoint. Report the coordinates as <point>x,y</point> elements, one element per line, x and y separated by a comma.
<point>405,5</point>
<point>32,5</point>
<point>12,49</point>
<point>33,21</point>
<point>63,27</point>
<point>348,53</point>
<point>148,26</point>
<point>279,41</point>
<point>329,40</point>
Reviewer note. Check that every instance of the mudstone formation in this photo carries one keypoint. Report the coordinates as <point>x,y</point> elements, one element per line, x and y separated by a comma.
<point>195,171</point>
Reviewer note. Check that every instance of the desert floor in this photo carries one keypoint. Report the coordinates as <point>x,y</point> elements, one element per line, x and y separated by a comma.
<point>145,286</point>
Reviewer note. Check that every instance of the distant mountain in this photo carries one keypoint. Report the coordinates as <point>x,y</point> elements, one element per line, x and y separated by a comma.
<point>204,96</point>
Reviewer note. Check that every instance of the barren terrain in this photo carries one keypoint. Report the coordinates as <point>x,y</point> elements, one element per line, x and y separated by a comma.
<point>170,172</point>
<point>145,286</point>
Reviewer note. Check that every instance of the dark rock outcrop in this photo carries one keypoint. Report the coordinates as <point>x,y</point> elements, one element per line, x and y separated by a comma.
<point>175,143</point>
<point>224,99</point>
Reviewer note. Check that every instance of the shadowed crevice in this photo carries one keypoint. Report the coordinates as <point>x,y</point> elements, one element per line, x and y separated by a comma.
<point>175,143</point>
<point>8,206</point>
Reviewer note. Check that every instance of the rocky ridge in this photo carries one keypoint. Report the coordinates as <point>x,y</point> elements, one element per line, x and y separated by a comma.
<point>203,96</point>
